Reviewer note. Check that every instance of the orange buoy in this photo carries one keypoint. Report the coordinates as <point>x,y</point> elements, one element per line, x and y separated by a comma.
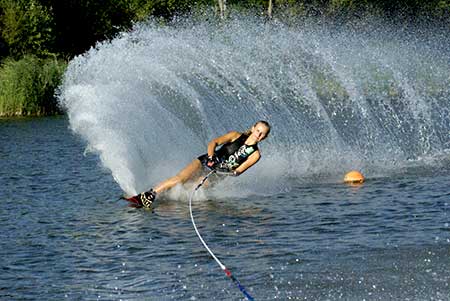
<point>354,177</point>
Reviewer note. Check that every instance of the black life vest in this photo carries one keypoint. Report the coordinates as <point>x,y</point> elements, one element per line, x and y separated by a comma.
<point>233,154</point>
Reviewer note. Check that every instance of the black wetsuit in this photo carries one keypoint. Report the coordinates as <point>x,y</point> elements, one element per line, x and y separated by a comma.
<point>232,154</point>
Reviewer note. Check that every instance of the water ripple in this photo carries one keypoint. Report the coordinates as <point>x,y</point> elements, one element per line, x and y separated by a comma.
<point>63,229</point>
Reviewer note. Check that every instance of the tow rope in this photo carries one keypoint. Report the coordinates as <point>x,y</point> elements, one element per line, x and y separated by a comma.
<point>222,266</point>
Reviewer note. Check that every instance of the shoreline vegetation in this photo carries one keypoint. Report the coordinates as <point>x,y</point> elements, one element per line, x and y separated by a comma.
<point>39,37</point>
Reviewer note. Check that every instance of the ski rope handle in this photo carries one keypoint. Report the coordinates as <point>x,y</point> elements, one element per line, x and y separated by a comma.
<point>222,266</point>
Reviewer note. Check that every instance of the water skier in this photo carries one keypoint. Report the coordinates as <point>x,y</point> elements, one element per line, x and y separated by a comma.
<point>238,152</point>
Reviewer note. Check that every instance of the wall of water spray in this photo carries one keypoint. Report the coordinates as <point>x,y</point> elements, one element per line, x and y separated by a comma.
<point>148,101</point>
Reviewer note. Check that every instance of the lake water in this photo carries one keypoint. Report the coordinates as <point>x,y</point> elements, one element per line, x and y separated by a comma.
<point>65,236</point>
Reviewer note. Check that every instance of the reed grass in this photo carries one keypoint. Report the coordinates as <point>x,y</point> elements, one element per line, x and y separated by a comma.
<point>27,86</point>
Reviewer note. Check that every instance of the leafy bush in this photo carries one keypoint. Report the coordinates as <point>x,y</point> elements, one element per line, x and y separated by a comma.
<point>27,86</point>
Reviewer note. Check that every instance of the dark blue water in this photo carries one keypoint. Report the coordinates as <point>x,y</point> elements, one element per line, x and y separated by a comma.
<point>64,235</point>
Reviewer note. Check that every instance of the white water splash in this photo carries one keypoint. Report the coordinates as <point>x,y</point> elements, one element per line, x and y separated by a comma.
<point>149,101</point>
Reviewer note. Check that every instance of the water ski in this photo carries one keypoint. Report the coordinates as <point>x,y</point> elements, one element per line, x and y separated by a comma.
<point>144,199</point>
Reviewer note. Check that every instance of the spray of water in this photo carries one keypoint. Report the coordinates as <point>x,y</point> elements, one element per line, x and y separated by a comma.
<point>149,101</point>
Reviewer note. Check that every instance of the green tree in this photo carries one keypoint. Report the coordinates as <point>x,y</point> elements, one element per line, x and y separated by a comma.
<point>82,23</point>
<point>26,27</point>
